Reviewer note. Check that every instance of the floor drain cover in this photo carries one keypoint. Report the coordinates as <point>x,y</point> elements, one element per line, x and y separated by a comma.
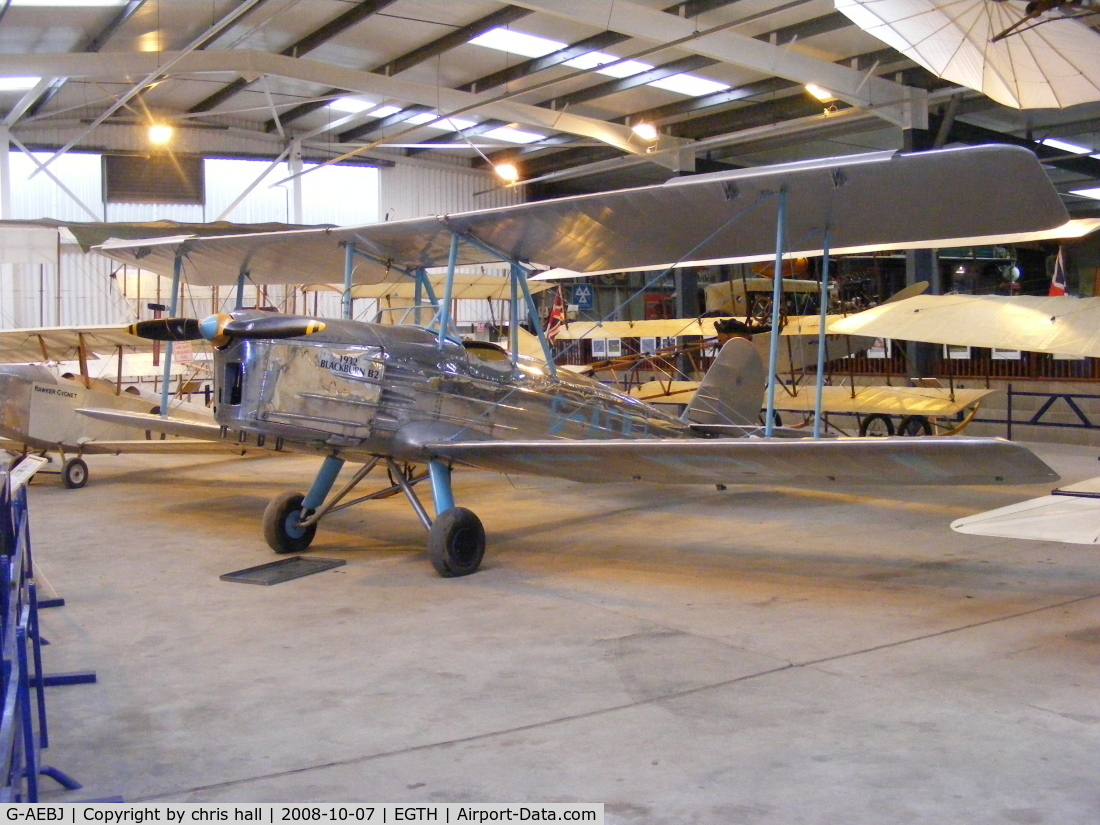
<point>282,570</point>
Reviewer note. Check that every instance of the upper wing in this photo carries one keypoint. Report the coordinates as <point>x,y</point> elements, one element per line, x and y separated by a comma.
<point>19,346</point>
<point>936,198</point>
<point>1065,325</point>
<point>758,460</point>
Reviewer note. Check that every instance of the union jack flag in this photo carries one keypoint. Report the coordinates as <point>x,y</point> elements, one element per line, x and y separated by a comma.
<point>1058,279</point>
<point>556,318</point>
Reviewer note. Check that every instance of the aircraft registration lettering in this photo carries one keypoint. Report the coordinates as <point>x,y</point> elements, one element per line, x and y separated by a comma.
<point>596,419</point>
<point>358,365</point>
<point>55,391</point>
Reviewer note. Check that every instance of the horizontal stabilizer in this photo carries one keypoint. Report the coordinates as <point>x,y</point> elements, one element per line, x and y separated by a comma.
<point>947,460</point>
<point>1071,515</point>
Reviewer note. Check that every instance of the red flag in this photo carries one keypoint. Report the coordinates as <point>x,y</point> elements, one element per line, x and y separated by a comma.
<point>1058,279</point>
<point>556,317</point>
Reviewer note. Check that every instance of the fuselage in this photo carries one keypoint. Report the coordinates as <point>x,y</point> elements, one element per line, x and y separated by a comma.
<point>361,388</point>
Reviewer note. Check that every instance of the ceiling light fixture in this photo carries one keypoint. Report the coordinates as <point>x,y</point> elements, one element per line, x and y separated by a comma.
<point>160,134</point>
<point>820,92</point>
<point>507,171</point>
<point>646,131</point>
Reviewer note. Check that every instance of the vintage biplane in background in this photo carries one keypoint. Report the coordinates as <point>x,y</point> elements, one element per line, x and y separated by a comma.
<point>38,405</point>
<point>1059,325</point>
<point>406,396</point>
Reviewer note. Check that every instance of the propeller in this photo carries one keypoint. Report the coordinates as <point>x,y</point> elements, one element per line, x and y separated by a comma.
<point>167,329</point>
<point>222,328</point>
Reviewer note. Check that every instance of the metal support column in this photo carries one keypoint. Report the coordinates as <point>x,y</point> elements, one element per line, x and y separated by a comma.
<point>173,310</point>
<point>777,297</point>
<point>448,289</point>
<point>5,174</point>
<point>513,320</point>
<point>819,385</point>
<point>326,477</point>
<point>444,497</point>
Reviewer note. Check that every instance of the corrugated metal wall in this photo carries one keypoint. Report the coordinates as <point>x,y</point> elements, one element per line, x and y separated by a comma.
<point>96,290</point>
<point>412,191</point>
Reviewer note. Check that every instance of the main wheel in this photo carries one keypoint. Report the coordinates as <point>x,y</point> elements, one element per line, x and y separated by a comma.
<point>914,425</point>
<point>876,425</point>
<point>74,473</point>
<point>456,543</point>
<point>281,528</point>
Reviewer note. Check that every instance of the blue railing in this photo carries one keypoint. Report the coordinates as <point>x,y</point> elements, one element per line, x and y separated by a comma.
<point>23,730</point>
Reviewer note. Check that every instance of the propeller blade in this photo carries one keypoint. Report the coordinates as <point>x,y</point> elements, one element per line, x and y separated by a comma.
<point>167,329</point>
<point>278,326</point>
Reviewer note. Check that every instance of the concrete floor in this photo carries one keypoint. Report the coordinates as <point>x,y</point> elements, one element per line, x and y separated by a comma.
<point>684,655</point>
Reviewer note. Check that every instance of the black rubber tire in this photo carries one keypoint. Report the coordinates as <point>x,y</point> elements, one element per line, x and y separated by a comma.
<point>280,524</point>
<point>456,543</point>
<point>914,425</point>
<point>875,425</point>
<point>74,473</point>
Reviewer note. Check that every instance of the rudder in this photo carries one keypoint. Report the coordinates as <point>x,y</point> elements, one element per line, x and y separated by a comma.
<point>733,388</point>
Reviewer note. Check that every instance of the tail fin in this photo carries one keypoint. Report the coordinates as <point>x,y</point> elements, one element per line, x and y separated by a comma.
<point>733,388</point>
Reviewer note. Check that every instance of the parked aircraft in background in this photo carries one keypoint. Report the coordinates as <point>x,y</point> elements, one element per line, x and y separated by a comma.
<point>401,396</point>
<point>1059,325</point>
<point>38,406</point>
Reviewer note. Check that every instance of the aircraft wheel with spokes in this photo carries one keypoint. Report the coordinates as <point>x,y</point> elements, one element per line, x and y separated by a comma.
<point>456,543</point>
<point>876,425</point>
<point>74,473</point>
<point>281,528</point>
<point>914,425</point>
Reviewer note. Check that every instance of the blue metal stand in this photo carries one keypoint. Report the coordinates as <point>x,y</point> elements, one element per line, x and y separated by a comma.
<point>23,728</point>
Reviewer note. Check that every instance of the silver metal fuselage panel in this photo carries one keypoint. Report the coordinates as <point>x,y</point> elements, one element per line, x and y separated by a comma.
<point>370,389</point>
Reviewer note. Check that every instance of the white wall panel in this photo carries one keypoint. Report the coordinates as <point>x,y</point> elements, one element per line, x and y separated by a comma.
<point>411,191</point>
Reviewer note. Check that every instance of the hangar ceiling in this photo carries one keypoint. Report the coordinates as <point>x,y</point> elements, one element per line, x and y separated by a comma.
<point>553,86</point>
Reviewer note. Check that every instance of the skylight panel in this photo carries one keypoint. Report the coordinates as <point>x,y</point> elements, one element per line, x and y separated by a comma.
<point>593,60</point>
<point>1093,193</point>
<point>452,124</point>
<point>385,111</point>
<point>511,135</point>
<point>18,84</point>
<point>690,85</point>
<point>513,42</point>
<point>1065,146</point>
<point>351,105</point>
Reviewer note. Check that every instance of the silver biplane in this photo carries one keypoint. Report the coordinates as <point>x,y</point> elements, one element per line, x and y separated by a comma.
<point>408,397</point>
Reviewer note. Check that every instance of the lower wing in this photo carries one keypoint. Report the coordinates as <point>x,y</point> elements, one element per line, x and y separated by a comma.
<point>756,460</point>
<point>1070,515</point>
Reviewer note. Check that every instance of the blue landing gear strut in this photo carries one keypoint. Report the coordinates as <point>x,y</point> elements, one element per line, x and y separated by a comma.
<point>456,539</point>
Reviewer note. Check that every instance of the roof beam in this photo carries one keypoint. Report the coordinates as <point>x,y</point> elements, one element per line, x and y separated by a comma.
<point>962,132</point>
<point>684,64</point>
<point>93,44</point>
<point>595,42</point>
<point>311,71</point>
<point>301,47</point>
<point>501,17</point>
<point>901,105</point>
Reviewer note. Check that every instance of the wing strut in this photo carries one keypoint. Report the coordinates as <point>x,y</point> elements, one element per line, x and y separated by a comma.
<point>777,297</point>
<point>173,311</point>
<point>519,275</point>
<point>819,386</point>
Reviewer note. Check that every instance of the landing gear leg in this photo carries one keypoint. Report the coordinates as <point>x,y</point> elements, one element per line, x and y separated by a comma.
<point>283,528</point>
<point>456,539</point>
